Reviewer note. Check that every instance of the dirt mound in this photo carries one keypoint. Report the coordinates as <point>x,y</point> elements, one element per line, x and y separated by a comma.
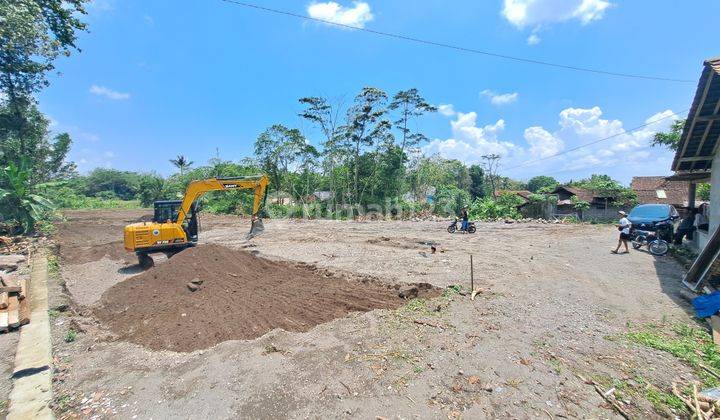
<point>238,296</point>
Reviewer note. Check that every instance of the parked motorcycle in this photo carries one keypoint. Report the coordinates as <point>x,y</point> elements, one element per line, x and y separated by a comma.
<point>455,226</point>
<point>655,245</point>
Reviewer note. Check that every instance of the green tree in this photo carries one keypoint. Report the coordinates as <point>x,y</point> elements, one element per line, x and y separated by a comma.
<point>491,163</point>
<point>604,186</point>
<point>18,202</point>
<point>181,163</point>
<point>32,35</point>
<point>324,115</point>
<point>43,153</point>
<point>579,205</point>
<point>670,139</point>
<point>124,185</point>
<point>308,156</point>
<point>151,188</point>
<point>410,105</point>
<point>537,183</point>
<point>450,199</point>
<point>277,148</point>
<point>703,191</point>
<point>477,181</point>
<point>364,125</point>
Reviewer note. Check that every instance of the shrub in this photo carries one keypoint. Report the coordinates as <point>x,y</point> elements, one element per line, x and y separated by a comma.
<point>502,207</point>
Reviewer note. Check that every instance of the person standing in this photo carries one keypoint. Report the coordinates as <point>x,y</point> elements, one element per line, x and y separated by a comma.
<point>686,228</point>
<point>464,218</point>
<point>624,227</point>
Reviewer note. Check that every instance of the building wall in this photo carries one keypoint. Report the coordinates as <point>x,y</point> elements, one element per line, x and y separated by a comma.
<point>714,217</point>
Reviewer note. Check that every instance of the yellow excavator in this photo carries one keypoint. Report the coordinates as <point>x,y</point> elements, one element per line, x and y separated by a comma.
<point>175,223</point>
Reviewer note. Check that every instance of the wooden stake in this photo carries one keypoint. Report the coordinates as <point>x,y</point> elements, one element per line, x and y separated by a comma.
<point>23,288</point>
<point>472,276</point>
<point>24,312</point>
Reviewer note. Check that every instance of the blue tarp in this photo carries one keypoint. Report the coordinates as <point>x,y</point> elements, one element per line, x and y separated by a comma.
<point>707,305</point>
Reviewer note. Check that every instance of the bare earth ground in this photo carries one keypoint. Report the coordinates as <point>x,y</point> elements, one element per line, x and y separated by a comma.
<point>554,304</point>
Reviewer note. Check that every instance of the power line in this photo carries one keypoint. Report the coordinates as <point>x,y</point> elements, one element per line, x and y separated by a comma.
<point>457,48</point>
<point>532,162</point>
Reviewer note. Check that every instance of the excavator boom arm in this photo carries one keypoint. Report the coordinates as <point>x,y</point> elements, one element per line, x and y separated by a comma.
<point>197,188</point>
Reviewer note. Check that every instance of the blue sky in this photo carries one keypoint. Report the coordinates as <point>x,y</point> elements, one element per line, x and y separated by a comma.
<point>161,78</point>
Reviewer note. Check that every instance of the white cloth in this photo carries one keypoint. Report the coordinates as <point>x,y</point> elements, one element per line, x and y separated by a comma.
<point>700,219</point>
<point>625,223</point>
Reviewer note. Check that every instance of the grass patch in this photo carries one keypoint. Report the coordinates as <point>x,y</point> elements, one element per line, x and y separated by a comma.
<point>692,345</point>
<point>451,290</point>
<point>53,264</point>
<point>70,336</point>
<point>661,400</point>
<point>689,344</point>
<point>63,401</point>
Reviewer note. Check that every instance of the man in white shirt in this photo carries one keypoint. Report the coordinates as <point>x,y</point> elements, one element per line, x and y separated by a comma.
<point>624,227</point>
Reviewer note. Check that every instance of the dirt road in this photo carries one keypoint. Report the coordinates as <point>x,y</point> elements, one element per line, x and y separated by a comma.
<point>554,304</point>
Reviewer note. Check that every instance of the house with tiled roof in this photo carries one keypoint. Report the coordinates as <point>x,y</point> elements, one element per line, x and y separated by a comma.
<point>660,190</point>
<point>602,205</point>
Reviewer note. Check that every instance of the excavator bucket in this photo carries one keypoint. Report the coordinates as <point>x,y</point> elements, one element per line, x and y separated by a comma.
<point>256,229</point>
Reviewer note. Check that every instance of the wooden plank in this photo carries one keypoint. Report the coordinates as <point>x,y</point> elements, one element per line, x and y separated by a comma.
<point>715,324</point>
<point>10,289</point>
<point>695,277</point>
<point>694,120</point>
<point>24,312</point>
<point>3,300</point>
<point>23,288</point>
<point>3,320</point>
<point>713,117</point>
<point>13,311</point>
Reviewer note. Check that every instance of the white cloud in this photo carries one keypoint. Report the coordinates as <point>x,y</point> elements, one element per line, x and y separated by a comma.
<point>523,13</point>
<point>109,93</point>
<point>100,6</point>
<point>542,143</point>
<point>470,142</point>
<point>447,110</point>
<point>580,126</point>
<point>500,99</point>
<point>623,156</point>
<point>88,158</point>
<point>533,39</point>
<point>149,20</point>
<point>356,16</point>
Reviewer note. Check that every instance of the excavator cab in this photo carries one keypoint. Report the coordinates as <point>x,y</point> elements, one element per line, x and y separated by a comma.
<point>168,210</point>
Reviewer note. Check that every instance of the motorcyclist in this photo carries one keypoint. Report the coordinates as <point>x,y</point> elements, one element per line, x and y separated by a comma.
<point>464,218</point>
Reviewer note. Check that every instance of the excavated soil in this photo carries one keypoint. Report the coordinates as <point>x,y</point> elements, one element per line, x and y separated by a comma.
<point>240,297</point>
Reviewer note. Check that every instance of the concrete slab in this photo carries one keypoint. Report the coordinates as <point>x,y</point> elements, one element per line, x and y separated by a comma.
<point>32,377</point>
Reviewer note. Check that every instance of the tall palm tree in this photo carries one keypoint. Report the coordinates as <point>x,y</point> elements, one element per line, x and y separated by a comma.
<point>181,163</point>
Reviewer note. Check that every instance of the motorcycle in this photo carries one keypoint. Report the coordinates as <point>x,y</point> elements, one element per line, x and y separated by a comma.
<point>454,227</point>
<point>655,245</point>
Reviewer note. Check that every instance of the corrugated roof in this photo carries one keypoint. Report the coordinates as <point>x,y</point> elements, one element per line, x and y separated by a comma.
<point>647,189</point>
<point>700,135</point>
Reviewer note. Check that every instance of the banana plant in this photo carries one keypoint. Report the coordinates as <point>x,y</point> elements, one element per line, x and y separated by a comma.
<point>18,203</point>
